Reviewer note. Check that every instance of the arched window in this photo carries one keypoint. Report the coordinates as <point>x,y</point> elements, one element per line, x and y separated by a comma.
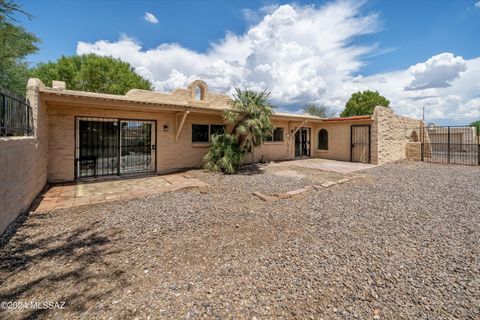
<point>414,137</point>
<point>198,90</point>
<point>198,93</point>
<point>323,139</point>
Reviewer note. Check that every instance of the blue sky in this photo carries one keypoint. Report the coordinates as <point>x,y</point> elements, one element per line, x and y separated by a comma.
<point>396,36</point>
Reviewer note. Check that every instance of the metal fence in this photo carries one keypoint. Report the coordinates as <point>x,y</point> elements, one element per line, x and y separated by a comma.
<point>449,144</point>
<point>15,115</point>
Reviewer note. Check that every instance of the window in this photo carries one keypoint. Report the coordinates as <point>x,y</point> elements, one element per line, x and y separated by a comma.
<point>203,132</point>
<point>198,93</point>
<point>276,137</point>
<point>217,129</point>
<point>200,133</point>
<point>323,139</point>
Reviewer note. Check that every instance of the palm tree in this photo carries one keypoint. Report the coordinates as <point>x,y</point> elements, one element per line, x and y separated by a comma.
<point>250,116</point>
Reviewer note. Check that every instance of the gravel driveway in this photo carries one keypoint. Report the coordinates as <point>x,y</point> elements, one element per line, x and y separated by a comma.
<point>402,242</point>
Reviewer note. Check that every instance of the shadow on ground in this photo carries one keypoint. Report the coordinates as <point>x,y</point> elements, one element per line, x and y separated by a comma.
<point>67,265</point>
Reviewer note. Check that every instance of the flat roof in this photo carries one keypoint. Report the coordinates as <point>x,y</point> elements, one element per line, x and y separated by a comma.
<point>177,100</point>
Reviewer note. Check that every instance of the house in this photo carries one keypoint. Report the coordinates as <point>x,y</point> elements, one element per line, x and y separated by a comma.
<point>94,134</point>
<point>77,135</point>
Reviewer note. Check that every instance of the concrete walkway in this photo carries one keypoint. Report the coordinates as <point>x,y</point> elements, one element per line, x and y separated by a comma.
<point>328,165</point>
<point>91,192</point>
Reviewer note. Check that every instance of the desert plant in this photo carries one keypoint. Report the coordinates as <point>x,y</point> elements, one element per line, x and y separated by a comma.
<point>249,115</point>
<point>224,155</point>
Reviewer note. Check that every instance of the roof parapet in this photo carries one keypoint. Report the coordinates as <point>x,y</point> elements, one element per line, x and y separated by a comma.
<point>59,85</point>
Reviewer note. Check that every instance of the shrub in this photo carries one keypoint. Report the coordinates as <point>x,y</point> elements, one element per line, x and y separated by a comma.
<point>224,155</point>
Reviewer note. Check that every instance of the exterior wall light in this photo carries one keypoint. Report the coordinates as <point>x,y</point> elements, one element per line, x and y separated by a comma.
<point>165,127</point>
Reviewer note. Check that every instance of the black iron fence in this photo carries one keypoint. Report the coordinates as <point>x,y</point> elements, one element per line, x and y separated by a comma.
<point>449,144</point>
<point>15,115</point>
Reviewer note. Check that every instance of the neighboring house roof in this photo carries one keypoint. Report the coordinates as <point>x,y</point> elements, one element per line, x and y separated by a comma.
<point>184,99</point>
<point>353,118</point>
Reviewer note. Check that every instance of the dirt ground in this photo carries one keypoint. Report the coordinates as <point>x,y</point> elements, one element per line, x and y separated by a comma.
<point>399,242</point>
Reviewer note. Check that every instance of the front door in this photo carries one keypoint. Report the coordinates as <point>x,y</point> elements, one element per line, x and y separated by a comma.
<point>112,147</point>
<point>302,143</point>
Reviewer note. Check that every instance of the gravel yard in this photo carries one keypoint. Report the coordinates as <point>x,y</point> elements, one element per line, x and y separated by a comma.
<point>401,242</point>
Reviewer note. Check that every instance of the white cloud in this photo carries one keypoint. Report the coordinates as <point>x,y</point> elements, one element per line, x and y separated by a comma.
<point>150,17</point>
<point>477,4</point>
<point>437,72</point>
<point>304,54</point>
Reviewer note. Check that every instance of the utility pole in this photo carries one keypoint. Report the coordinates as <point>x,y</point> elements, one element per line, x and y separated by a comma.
<point>423,115</point>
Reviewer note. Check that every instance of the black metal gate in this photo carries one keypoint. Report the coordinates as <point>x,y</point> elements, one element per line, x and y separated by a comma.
<point>360,143</point>
<point>107,146</point>
<point>451,144</point>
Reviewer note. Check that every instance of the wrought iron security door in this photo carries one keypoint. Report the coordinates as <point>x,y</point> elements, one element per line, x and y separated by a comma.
<point>302,143</point>
<point>112,147</point>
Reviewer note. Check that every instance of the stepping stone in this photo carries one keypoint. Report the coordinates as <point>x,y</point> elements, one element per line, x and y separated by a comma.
<point>290,194</point>
<point>343,180</point>
<point>328,184</point>
<point>265,197</point>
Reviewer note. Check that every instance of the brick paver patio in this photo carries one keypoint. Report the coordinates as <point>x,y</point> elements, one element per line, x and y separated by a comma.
<point>90,192</point>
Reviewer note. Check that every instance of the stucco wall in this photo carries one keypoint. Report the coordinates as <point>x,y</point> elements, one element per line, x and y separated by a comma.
<point>339,145</point>
<point>275,150</point>
<point>390,135</point>
<point>23,173</point>
<point>171,155</point>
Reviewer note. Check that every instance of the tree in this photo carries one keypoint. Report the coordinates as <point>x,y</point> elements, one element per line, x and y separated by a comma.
<point>92,73</point>
<point>15,45</point>
<point>476,124</point>
<point>363,103</point>
<point>318,110</point>
<point>250,114</point>
<point>249,117</point>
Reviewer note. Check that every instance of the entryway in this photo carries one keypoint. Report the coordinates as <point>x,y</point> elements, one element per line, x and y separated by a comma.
<point>360,143</point>
<point>106,146</point>
<point>302,143</point>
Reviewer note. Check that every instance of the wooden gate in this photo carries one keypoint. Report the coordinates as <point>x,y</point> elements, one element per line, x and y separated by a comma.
<point>360,143</point>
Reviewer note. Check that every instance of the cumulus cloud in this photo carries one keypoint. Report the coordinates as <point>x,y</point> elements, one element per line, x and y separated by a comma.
<point>437,72</point>
<point>294,51</point>
<point>302,54</point>
<point>150,17</point>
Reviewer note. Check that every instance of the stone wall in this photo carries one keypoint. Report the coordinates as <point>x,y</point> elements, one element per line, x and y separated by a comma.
<point>413,151</point>
<point>390,135</point>
<point>23,173</point>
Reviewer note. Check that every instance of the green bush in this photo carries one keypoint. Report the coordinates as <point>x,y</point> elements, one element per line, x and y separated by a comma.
<point>364,103</point>
<point>224,155</point>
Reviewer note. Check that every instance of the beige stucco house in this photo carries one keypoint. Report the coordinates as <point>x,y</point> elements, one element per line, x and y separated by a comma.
<point>77,135</point>
<point>93,134</point>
